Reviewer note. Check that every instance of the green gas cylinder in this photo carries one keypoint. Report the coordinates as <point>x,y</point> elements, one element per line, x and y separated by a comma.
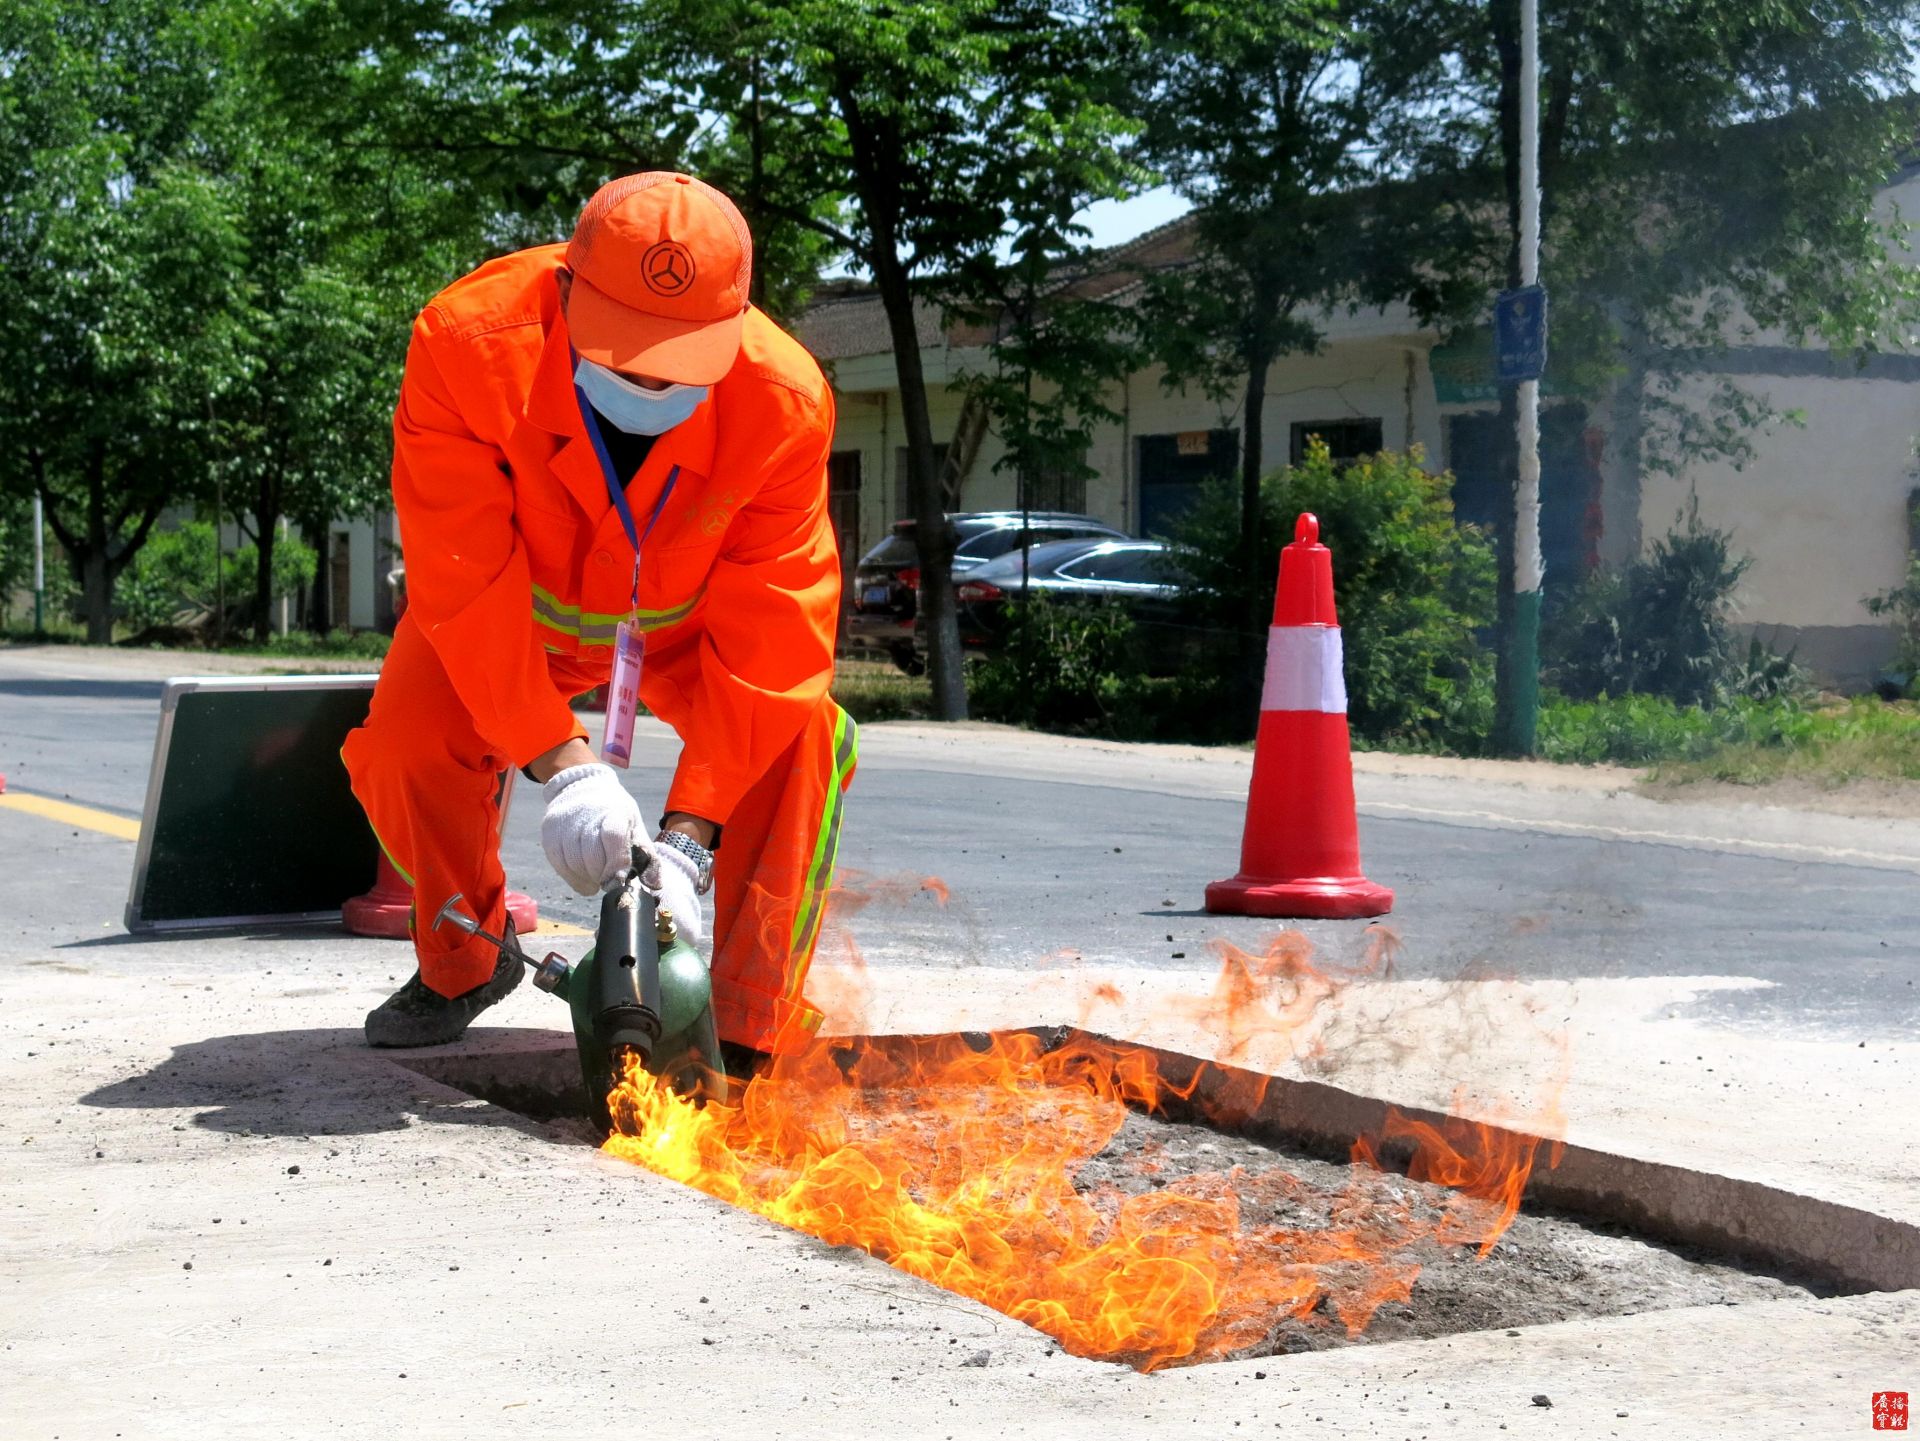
<point>645,991</point>
<point>640,992</point>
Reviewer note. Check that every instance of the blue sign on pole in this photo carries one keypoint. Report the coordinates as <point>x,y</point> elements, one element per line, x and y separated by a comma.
<point>1520,334</point>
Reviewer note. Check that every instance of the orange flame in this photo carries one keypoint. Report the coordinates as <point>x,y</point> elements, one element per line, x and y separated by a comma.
<point>955,1161</point>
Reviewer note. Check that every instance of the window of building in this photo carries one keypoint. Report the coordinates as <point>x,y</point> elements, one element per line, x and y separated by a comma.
<point>1347,440</point>
<point>843,512</point>
<point>902,496</point>
<point>1061,486</point>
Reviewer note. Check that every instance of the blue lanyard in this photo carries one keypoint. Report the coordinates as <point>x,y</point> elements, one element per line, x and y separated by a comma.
<point>617,492</point>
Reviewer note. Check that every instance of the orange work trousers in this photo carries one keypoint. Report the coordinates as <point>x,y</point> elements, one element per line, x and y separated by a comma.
<point>431,786</point>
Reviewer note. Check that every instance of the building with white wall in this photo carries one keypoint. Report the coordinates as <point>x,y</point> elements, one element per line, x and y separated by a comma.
<point>1822,505</point>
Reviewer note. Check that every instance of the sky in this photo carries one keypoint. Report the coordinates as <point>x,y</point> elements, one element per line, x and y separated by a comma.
<point>1114,222</point>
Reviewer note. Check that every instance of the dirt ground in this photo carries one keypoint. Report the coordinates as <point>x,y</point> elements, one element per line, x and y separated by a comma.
<point>1544,1268</point>
<point>1868,799</point>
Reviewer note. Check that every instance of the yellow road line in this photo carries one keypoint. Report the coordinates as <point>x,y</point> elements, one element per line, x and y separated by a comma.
<point>560,928</point>
<point>69,814</point>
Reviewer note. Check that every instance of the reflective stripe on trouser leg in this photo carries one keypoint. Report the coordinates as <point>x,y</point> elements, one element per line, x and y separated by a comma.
<point>772,877</point>
<point>813,908</point>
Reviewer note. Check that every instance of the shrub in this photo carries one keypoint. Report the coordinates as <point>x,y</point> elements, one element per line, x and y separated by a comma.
<point>1662,626</point>
<point>1412,589</point>
<point>343,644</point>
<point>171,581</point>
<point>1059,667</point>
<point>1901,606</point>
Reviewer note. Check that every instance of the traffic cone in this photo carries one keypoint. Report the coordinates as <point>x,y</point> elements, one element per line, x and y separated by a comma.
<point>1300,852</point>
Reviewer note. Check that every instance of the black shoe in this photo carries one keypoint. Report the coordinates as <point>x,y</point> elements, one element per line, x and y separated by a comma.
<point>417,1016</point>
<point>743,1063</point>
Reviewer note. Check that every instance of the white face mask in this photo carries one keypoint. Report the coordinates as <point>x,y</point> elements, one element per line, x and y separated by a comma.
<point>633,408</point>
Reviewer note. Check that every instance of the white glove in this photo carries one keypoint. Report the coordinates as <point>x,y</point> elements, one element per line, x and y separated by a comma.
<point>591,826</point>
<point>675,879</point>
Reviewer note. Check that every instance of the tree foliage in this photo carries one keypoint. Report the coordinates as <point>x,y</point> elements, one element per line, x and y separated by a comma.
<point>121,302</point>
<point>1709,176</point>
<point>1412,587</point>
<point>1281,121</point>
<point>210,308</point>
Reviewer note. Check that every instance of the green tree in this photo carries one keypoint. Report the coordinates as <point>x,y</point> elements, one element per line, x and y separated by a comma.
<point>1709,174</point>
<point>1057,333</point>
<point>931,129</point>
<point>305,433</point>
<point>885,132</point>
<point>521,112</point>
<point>120,258</point>
<point>1272,117</point>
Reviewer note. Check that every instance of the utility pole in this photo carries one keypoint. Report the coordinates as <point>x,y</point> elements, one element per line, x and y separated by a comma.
<point>39,565</point>
<point>1520,714</point>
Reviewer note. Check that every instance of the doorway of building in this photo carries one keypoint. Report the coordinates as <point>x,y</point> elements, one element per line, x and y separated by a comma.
<point>1569,486</point>
<point>1173,468</point>
<point>843,511</point>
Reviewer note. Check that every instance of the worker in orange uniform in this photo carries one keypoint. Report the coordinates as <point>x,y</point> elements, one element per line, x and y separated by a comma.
<point>602,448</point>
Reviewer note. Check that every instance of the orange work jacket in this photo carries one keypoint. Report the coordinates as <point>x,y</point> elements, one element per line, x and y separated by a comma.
<point>518,568</point>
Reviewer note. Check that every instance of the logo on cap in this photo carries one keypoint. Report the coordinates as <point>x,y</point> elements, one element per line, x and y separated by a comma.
<point>667,268</point>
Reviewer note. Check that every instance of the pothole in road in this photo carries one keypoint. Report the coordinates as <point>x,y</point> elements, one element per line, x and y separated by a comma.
<point>1227,1219</point>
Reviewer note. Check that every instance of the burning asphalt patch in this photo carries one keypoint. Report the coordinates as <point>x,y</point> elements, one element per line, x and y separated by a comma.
<point>1028,1171</point>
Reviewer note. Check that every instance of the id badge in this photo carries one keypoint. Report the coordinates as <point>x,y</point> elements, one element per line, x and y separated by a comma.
<point>623,694</point>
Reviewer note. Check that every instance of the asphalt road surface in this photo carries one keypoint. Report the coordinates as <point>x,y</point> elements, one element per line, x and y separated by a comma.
<point>1038,869</point>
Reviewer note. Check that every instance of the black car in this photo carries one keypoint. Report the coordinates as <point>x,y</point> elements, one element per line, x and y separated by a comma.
<point>886,586</point>
<point>1141,576</point>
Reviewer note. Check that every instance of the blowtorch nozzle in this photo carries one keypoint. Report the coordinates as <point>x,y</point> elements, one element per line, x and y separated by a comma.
<point>461,921</point>
<point>549,975</point>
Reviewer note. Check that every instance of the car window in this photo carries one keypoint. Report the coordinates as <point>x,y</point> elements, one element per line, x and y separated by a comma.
<point>896,549</point>
<point>1042,559</point>
<point>988,544</point>
<point>1131,566</point>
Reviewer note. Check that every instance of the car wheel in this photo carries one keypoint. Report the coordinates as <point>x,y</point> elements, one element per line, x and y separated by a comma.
<point>909,660</point>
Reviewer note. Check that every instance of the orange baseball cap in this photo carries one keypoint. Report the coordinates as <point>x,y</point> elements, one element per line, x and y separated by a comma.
<point>661,264</point>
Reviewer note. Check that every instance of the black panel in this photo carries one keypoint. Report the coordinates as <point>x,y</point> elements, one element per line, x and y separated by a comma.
<point>255,817</point>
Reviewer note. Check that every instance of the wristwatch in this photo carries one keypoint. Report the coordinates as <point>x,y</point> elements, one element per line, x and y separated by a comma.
<point>701,857</point>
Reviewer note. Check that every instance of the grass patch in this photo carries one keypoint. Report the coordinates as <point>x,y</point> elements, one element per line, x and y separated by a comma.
<point>335,644</point>
<point>297,645</point>
<point>57,632</point>
<point>1833,746</point>
<point>1743,742</point>
<point>871,690</point>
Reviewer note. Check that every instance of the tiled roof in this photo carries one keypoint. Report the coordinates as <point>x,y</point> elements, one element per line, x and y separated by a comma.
<point>846,319</point>
<point>841,326</point>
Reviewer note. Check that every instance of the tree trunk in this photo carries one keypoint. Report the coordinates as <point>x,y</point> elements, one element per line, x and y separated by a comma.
<point>939,615</point>
<point>94,557</point>
<point>96,585</point>
<point>876,174</point>
<point>263,583</point>
<point>318,612</point>
<point>1258,566</point>
<point>1255,563</point>
<point>266,526</point>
